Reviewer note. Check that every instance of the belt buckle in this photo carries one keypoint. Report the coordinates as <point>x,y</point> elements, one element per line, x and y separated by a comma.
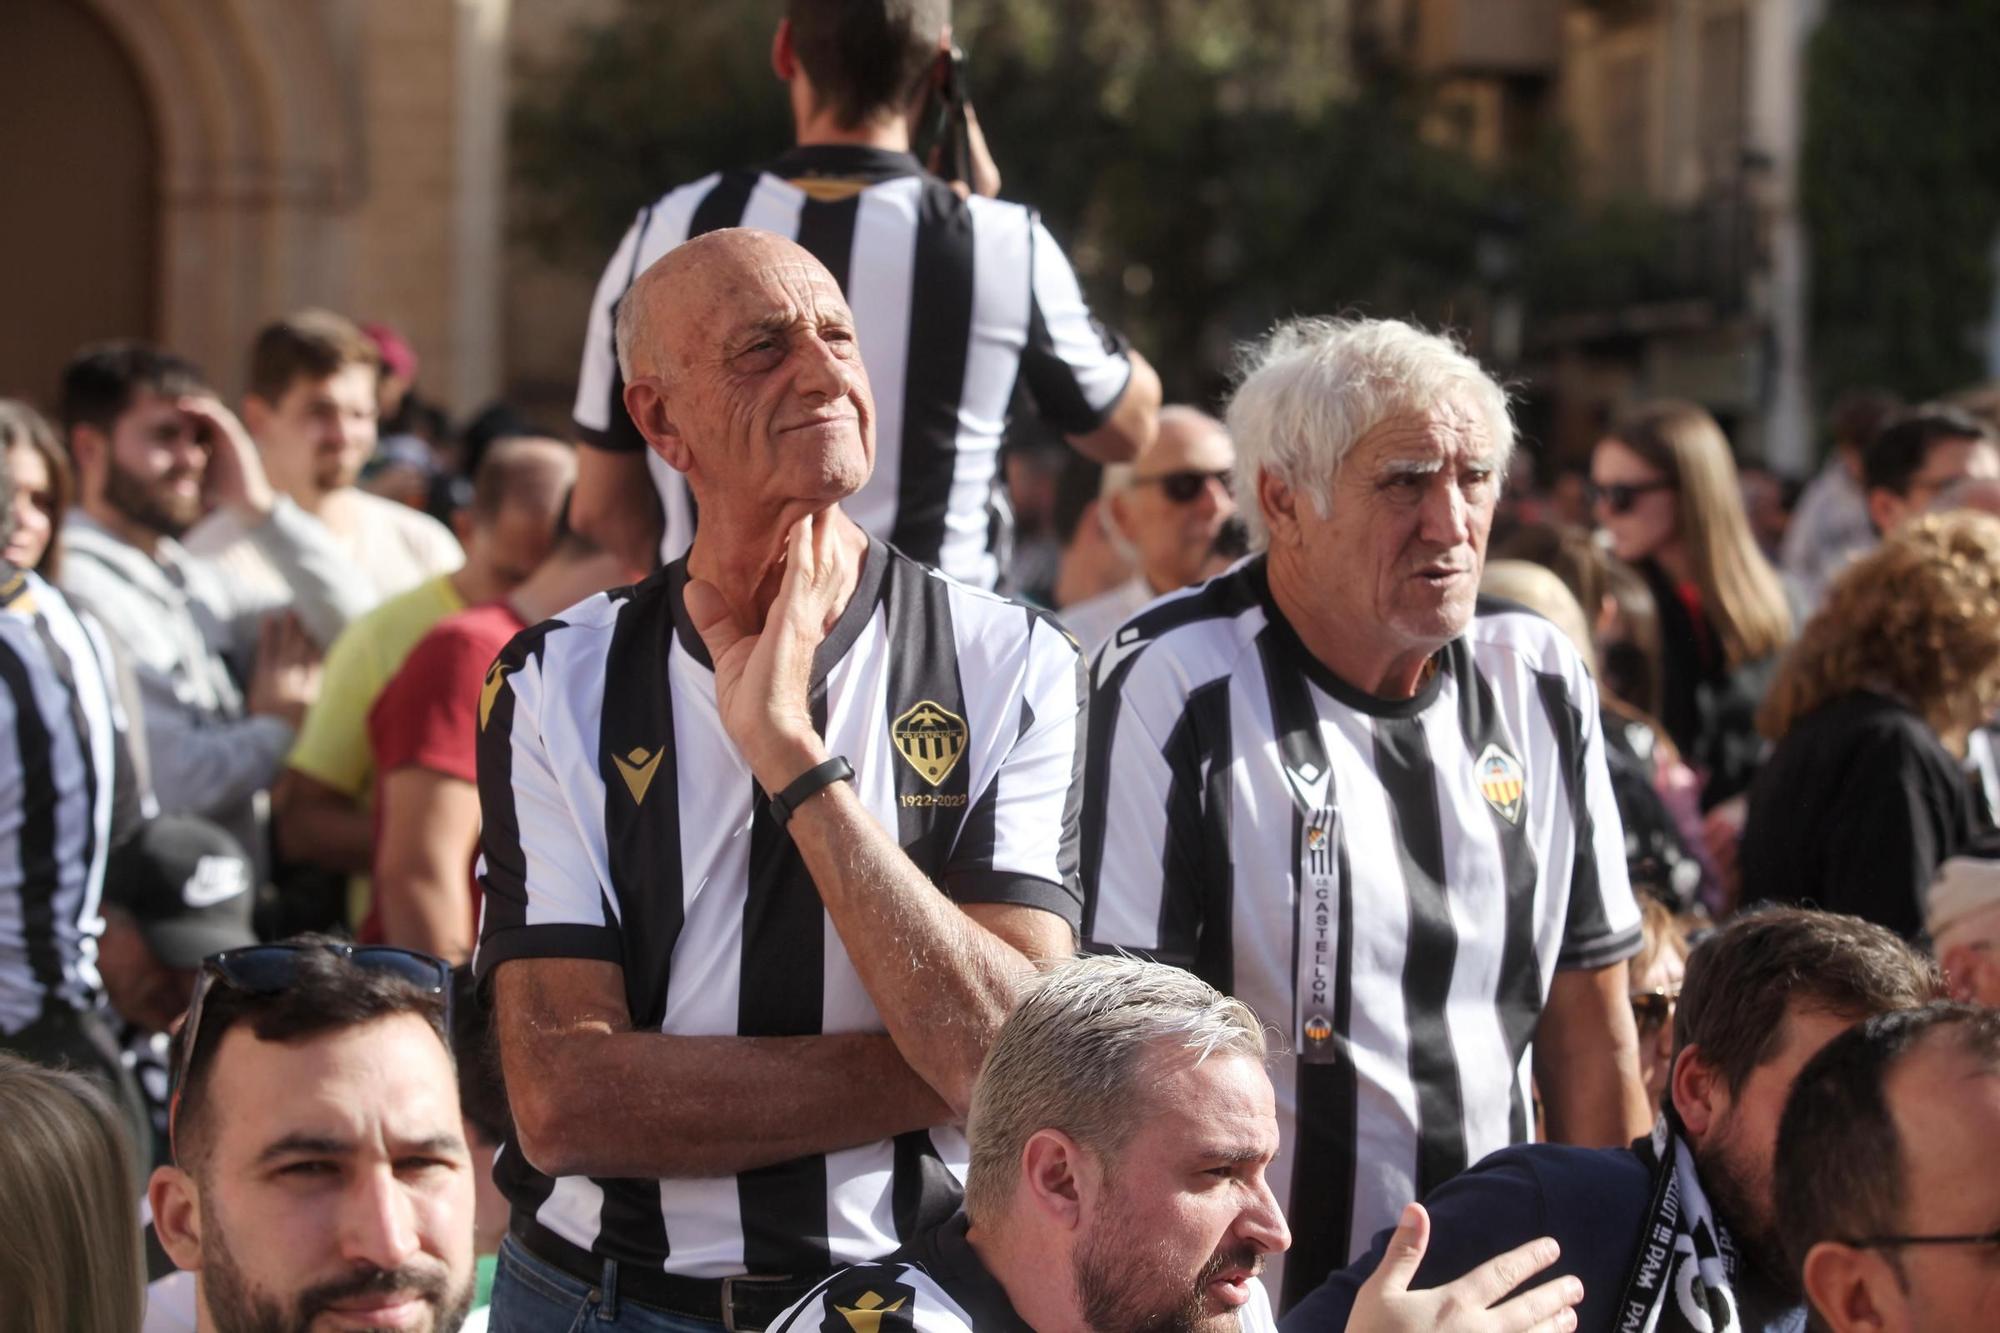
<point>729,1324</point>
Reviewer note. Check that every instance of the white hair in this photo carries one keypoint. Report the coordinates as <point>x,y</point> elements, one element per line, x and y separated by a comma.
<point>1070,1058</point>
<point>1313,387</point>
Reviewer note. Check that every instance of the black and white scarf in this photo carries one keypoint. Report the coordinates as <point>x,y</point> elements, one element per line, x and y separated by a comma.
<point>1682,1279</point>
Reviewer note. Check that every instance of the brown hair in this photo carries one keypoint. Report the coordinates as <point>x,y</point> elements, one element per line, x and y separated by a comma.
<point>1918,616</point>
<point>311,344</point>
<point>1738,585</point>
<point>1741,979</point>
<point>22,426</point>
<point>71,1258</point>
<point>865,56</point>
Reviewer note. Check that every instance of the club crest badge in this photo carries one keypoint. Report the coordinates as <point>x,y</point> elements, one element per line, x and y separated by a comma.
<point>931,740</point>
<point>1501,782</point>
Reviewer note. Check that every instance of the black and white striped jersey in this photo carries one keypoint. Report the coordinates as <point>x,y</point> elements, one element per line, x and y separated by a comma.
<point>1392,883</point>
<point>622,825</point>
<point>955,301</point>
<point>66,796</point>
<point>938,1285</point>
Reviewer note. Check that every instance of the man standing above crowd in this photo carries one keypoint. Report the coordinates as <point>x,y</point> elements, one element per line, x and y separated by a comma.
<point>1329,787</point>
<point>312,409</point>
<point>150,442</point>
<point>956,299</point>
<point>1166,507</point>
<point>768,842</point>
<point>1691,1208</point>
<point>323,814</point>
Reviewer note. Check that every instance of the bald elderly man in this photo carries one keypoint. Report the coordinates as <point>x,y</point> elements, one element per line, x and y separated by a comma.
<point>769,841</point>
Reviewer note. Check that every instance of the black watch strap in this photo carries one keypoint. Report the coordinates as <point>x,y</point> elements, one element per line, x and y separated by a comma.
<point>809,784</point>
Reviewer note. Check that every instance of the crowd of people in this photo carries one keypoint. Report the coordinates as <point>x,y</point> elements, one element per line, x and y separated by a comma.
<point>709,875</point>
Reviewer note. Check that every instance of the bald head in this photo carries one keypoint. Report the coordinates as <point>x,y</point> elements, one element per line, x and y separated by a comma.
<point>528,472</point>
<point>689,282</point>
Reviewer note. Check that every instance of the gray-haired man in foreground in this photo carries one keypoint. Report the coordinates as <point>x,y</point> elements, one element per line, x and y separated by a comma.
<point>1120,1129</point>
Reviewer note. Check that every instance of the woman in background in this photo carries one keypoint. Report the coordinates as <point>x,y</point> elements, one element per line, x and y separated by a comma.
<point>1864,796</point>
<point>70,1254</point>
<point>44,486</point>
<point>1665,491</point>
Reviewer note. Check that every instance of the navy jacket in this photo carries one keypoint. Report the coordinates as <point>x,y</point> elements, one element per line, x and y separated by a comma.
<point>1592,1200</point>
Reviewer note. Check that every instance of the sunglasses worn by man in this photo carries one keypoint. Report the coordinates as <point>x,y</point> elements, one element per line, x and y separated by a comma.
<point>1184,487</point>
<point>320,1165</point>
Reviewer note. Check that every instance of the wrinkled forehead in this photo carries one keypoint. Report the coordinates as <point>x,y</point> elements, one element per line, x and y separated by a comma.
<point>725,300</point>
<point>1445,428</point>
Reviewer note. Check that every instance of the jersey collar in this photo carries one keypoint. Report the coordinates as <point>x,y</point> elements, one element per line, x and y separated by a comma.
<point>853,618</point>
<point>1292,648</point>
<point>953,1264</point>
<point>844,161</point>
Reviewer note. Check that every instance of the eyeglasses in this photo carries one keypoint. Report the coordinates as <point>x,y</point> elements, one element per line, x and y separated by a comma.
<point>1890,1242</point>
<point>1652,1010</point>
<point>1620,496</point>
<point>1184,487</point>
<point>270,969</point>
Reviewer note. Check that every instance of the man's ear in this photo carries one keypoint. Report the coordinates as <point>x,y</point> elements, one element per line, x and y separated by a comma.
<point>257,415</point>
<point>1698,1091</point>
<point>1852,1290</point>
<point>1886,509</point>
<point>1280,506</point>
<point>1056,1174</point>
<point>89,446</point>
<point>646,403</point>
<point>784,60</point>
<point>176,1205</point>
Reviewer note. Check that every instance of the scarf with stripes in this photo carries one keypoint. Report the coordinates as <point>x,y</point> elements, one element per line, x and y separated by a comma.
<point>1681,1280</point>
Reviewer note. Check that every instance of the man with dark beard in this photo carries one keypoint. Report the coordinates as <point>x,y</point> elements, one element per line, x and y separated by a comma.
<point>222,680</point>
<point>1120,1130</point>
<point>1677,1231</point>
<point>321,1178</point>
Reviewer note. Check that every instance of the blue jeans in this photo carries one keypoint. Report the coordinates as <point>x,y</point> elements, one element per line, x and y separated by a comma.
<point>530,1296</point>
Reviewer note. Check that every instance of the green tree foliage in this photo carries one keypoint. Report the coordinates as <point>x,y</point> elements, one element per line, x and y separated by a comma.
<point>1208,167</point>
<point>1901,191</point>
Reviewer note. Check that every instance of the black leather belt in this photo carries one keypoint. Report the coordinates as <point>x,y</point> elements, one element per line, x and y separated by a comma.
<point>741,1304</point>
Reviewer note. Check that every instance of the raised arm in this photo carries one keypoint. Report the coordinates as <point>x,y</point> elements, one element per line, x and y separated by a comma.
<point>942,977</point>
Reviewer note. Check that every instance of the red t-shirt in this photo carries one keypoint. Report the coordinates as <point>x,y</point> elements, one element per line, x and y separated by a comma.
<point>428,714</point>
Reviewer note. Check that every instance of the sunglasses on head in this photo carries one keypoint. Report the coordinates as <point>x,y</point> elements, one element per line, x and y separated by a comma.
<point>1620,496</point>
<point>1184,487</point>
<point>1652,1010</point>
<point>270,969</point>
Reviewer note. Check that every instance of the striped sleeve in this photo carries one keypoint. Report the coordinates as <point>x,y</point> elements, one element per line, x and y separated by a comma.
<point>1602,926</point>
<point>1005,852</point>
<point>600,388</point>
<point>1076,369</point>
<point>543,896</point>
<point>1132,836</point>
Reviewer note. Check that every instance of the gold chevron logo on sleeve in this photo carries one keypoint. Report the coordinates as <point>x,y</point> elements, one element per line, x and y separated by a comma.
<point>865,1315</point>
<point>491,691</point>
<point>637,768</point>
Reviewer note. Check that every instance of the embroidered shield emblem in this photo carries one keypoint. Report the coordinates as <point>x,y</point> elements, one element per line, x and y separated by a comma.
<point>1501,782</point>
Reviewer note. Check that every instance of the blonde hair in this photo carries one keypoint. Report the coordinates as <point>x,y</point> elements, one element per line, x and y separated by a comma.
<point>71,1259</point>
<point>1542,591</point>
<point>1313,387</point>
<point>1069,1058</point>
<point>1918,617</point>
<point>1739,588</point>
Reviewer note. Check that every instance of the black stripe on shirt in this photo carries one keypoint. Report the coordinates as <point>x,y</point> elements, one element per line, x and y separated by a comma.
<point>1518,989</point>
<point>1587,930</point>
<point>941,285</point>
<point>923,668</point>
<point>783,971</point>
<point>924,1193</point>
<point>40,880</point>
<point>1197,897</point>
<point>724,203</point>
<point>1409,777</point>
<point>827,231</point>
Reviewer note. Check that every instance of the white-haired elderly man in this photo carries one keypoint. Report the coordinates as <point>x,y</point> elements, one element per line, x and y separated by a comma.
<point>1121,1133</point>
<point>1164,509</point>
<point>1335,783</point>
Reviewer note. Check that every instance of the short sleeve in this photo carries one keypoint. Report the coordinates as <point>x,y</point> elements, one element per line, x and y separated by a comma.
<point>600,388</point>
<point>428,714</point>
<point>1602,923</point>
<point>1073,366</point>
<point>332,746</point>
<point>1005,852</point>
<point>543,897</point>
